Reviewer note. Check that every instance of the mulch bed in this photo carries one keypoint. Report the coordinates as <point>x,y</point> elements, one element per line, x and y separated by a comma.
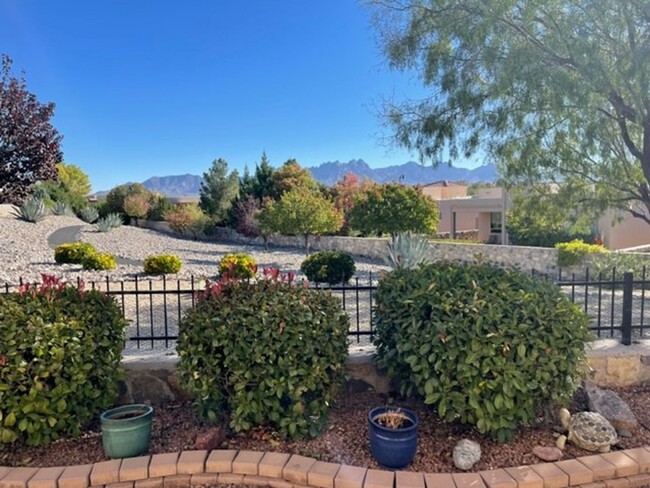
<point>344,440</point>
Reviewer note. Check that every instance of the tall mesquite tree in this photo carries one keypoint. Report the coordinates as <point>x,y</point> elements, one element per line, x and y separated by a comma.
<point>218,190</point>
<point>554,90</point>
<point>29,144</point>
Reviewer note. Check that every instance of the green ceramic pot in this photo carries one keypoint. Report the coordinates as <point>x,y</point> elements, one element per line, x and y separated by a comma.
<point>126,430</point>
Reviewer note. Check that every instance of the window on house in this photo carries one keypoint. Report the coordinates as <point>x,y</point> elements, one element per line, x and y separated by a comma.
<point>495,222</point>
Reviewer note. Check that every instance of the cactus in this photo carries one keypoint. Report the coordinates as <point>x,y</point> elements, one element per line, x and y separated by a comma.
<point>32,210</point>
<point>109,222</point>
<point>60,208</point>
<point>407,251</point>
<point>89,214</point>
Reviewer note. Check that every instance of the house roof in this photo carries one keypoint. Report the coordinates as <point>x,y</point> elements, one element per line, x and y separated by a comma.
<point>444,183</point>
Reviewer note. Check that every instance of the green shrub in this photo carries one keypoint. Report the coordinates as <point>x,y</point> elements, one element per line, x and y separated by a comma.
<point>98,261</point>
<point>616,263</point>
<point>486,346</point>
<point>237,265</point>
<point>73,252</point>
<point>328,267</point>
<point>574,252</point>
<point>59,357</point>
<point>267,352</point>
<point>162,264</point>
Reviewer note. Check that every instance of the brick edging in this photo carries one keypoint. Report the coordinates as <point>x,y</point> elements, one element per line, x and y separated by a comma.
<point>629,468</point>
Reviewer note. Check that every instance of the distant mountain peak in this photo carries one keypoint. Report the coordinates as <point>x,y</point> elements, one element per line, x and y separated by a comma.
<point>410,172</point>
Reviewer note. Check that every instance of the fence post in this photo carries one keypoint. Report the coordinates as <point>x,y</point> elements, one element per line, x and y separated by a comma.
<point>626,324</point>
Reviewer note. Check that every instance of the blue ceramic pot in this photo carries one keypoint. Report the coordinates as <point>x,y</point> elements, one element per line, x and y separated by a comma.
<point>393,448</point>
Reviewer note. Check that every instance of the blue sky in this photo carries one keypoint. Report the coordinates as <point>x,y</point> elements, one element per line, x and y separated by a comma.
<point>155,87</point>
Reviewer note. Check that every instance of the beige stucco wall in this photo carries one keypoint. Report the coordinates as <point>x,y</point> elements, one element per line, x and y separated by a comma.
<point>464,220</point>
<point>439,192</point>
<point>629,232</point>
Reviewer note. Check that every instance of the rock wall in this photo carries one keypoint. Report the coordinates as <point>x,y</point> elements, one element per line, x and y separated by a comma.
<point>154,380</point>
<point>541,260</point>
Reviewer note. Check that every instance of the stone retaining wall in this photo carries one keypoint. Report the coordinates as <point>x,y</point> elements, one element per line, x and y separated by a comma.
<point>542,260</point>
<point>153,378</point>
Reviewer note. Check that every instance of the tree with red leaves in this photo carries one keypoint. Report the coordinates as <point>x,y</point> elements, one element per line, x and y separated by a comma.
<point>29,144</point>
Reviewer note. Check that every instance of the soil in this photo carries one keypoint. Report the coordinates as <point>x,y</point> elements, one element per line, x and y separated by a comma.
<point>344,439</point>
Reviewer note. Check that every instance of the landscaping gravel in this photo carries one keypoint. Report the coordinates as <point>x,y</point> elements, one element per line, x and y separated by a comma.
<point>25,253</point>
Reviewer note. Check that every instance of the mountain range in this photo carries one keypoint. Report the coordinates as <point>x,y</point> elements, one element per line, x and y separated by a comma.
<point>332,171</point>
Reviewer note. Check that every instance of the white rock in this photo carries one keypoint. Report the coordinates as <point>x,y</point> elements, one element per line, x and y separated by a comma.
<point>466,454</point>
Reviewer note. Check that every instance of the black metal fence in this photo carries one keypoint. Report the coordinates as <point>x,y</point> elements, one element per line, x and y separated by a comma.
<point>154,307</point>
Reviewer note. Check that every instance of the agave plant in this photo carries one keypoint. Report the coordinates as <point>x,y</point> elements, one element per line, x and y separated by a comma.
<point>407,251</point>
<point>109,222</point>
<point>60,208</point>
<point>89,214</point>
<point>32,210</point>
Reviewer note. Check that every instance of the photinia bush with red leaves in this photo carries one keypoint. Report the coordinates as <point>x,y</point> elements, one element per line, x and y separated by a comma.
<point>60,349</point>
<point>268,351</point>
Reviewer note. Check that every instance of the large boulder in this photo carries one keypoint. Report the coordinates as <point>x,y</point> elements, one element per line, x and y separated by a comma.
<point>611,406</point>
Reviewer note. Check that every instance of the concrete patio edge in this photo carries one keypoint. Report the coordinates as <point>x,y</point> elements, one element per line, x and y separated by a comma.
<point>625,468</point>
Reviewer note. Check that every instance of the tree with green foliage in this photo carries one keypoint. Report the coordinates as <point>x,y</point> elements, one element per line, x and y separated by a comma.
<point>537,217</point>
<point>30,146</point>
<point>218,190</point>
<point>290,176</point>
<point>555,91</point>
<point>114,202</point>
<point>300,212</point>
<point>260,183</point>
<point>71,187</point>
<point>392,208</point>
<point>73,179</point>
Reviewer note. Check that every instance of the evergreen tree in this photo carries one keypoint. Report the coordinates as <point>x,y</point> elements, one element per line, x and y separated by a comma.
<point>218,190</point>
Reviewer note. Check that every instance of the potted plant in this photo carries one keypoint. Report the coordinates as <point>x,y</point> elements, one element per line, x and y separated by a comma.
<point>126,430</point>
<point>393,435</point>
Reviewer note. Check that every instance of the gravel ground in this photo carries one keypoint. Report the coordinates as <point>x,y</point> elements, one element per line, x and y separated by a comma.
<point>25,253</point>
<point>344,440</point>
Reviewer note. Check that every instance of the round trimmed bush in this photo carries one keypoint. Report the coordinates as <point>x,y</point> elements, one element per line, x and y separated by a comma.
<point>237,265</point>
<point>73,252</point>
<point>328,267</point>
<point>267,352</point>
<point>162,264</point>
<point>485,346</point>
<point>59,360</point>
<point>99,261</point>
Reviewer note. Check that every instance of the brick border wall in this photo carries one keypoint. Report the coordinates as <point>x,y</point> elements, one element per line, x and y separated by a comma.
<point>629,468</point>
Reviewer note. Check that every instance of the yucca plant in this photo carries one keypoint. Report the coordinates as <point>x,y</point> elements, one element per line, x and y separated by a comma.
<point>60,208</point>
<point>109,222</point>
<point>89,214</point>
<point>32,210</point>
<point>407,251</point>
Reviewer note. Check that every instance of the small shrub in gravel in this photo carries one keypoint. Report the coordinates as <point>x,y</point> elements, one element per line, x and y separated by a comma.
<point>73,252</point>
<point>111,221</point>
<point>486,346</point>
<point>328,267</point>
<point>98,261</point>
<point>162,264</point>
<point>237,265</point>
<point>267,352</point>
<point>59,359</point>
